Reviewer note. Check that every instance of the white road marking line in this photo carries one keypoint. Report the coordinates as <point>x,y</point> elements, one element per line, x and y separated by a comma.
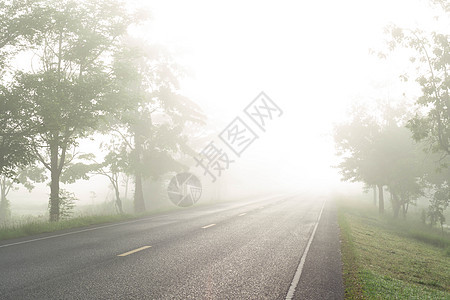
<point>243,214</point>
<point>83,230</point>
<point>207,226</point>
<point>298,273</point>
<point>101,227</point>
<point>134,251</point>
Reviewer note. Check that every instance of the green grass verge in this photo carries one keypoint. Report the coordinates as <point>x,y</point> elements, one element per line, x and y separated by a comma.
<point>38,227</point>
<point>33,228</point>
<point>391,259</point>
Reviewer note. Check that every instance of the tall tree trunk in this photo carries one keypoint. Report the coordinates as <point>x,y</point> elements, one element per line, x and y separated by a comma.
<point>374,195</point>
<point>380,200</point>
<point>139,203</point>
<point>396,208</point>
<point>395,205</point>
<point>4,205</point>
<point>54,184</point>
<point>118,201</point>
<point>126,186</point>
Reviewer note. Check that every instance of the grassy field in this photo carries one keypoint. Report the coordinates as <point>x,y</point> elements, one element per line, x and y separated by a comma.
<point>391,259</point>
<point>32,227</point>
<point>36,227</point>
<point>28,226</point>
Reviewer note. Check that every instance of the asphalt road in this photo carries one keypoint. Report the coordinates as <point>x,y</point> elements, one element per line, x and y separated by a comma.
<point>272,248</point>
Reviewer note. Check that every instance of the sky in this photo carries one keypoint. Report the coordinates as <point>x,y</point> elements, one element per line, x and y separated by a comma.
<point>311,58</point>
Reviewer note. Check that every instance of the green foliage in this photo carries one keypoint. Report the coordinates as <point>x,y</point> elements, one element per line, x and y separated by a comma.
<point>354,143</point>
<point>438,183</point>
<point>15,132</point>
<point>114,164</point>
<point>30,175</point>
<point>437,206</point>
<point>20,20</point>
<point>75,171</point>
<point>431,122</point>
<point>379,151</point>
<point>66,92</point>
<point>67,204</point>
<point>152,121</point>
<point>432,52</point>
<point>87,75</point>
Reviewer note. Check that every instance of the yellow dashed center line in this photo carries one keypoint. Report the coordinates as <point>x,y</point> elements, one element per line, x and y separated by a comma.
<point>134,251</point>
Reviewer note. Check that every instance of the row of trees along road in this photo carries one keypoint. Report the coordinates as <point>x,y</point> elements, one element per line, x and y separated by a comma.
<point>407,151</point>
<point>87,76</point>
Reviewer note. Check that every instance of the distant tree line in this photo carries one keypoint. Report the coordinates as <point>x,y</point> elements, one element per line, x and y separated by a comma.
<point>406,151</point>
<point>86,76</point>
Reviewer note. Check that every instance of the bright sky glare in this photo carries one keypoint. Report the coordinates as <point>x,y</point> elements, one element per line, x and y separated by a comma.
<point>311,57</point>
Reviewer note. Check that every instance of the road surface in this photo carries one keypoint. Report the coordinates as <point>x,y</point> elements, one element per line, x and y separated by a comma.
<point>271,248</point>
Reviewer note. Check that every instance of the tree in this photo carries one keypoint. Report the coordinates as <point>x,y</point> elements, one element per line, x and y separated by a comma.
<point>431,123</point>
<point>380,152</point>
<point>26,177</point>
<point>70,80</point>
<point>152,123</point>
<point>405,172</point>
<point>114,164</point>
<point>438,184</point>
<point>19,22</point>
<point>15,132</point>
<point>356,141</point>
<point>67,203</point>
<point>432,55</point>
<point>438,204</point>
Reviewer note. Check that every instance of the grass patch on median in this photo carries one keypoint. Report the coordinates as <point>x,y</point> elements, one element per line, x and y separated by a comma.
<point>391,259</point>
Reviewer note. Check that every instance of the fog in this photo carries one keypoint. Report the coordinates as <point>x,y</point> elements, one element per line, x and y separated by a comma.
<point>312,59</point>
<point>174,149</point>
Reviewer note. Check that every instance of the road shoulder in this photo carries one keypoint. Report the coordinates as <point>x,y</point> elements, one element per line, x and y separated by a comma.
<point>322,273</point>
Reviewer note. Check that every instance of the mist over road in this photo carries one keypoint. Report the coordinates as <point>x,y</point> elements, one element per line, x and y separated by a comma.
<point>249,249</point>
